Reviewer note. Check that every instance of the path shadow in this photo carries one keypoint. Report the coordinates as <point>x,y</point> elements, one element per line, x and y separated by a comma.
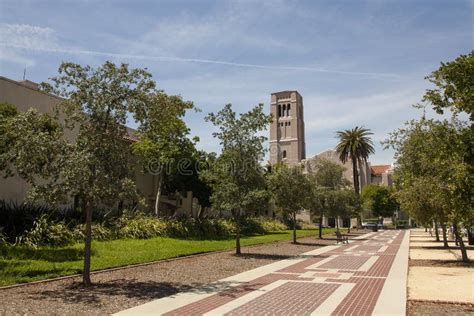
<point>92,295</point>
<point>441,247</point>
<point>317,244</point>
<point>263,256</point>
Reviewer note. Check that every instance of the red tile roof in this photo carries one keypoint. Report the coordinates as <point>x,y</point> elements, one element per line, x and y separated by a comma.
<point>379,169</point>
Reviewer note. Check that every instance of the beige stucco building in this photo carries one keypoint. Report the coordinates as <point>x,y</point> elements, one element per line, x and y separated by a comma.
<point>26,95</point>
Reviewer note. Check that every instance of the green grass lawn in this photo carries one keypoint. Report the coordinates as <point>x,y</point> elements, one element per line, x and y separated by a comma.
<point>22,264</point>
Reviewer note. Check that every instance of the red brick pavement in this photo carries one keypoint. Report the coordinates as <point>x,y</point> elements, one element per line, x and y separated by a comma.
<point>301,296</point>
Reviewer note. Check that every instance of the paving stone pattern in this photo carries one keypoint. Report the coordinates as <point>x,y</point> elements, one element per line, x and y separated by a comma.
<point>363,265</point>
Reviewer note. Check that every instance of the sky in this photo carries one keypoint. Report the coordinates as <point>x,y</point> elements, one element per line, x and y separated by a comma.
<point>356,63</point>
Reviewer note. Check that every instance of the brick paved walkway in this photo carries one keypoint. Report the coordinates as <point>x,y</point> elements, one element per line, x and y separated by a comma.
<point>365,277</point>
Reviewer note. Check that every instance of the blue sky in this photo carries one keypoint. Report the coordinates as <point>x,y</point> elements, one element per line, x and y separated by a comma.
<point>354,62</point>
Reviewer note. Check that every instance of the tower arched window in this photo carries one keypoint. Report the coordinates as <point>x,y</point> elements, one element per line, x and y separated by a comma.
<point>283,110</point>
<point>279,110</point>
<point>288,108</point>
<point>283,154</point>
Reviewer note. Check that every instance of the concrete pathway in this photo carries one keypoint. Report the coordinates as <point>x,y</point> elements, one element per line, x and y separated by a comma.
<point>367,276</point>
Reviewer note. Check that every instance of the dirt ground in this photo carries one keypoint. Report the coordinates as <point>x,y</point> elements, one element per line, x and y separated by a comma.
<point>438,282</point>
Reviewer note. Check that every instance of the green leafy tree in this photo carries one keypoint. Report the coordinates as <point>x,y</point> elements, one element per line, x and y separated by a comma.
<point>94,165</point>
<point>236,177</point>
<point>289,188</point>
<point>340,203</point>
<point>454,86</point>
<point>380,200</point>
<point>187,178</point>
<point>36,151</point>
<point>434,172</point>
<point>328,176</point>
<point>7,111</point>
<point>163,136</point>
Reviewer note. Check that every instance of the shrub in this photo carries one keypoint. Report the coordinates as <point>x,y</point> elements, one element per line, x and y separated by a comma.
<point>139,225</point>
<point>45,232</point>
<point>261,225</point>
<point>99,232</point>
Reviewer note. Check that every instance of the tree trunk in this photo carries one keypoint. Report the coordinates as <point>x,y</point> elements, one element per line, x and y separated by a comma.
<point>436,231</point>
<point>237,233</point>
<point>86,274</point>
<point>337,223</point>
<point>355,175</point>
<point>349,227</point>
<point>458,237</point>
<point>445,237</point>
<point>321,226</point>
<point>158,195</point>
<point>294,228</point>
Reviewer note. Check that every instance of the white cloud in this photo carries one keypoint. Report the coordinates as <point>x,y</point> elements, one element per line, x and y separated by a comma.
<point>331,112</point>
<point>28,36</point>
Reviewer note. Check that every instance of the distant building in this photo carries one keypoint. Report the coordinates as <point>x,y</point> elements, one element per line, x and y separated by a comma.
<point>382,174</point>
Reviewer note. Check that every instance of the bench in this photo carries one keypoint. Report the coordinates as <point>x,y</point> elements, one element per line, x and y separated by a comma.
<point>341,238</point>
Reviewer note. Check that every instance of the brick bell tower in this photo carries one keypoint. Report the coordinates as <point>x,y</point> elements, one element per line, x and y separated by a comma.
<point>287,141</point>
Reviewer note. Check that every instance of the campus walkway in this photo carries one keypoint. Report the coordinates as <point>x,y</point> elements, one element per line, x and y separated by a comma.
<point>367,276</point>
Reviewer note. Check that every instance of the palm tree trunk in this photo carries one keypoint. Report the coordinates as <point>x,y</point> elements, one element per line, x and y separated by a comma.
<point>355,175</point>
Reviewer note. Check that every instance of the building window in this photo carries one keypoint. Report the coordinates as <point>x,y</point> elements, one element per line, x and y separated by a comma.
<point>279,110</point>
<point>289,123</point>
<point>283,154</point>
<point>283,110</point>
<point>288,108</point>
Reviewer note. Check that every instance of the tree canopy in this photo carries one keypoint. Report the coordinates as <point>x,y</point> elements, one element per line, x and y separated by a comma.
<point>454,86</point>
<point>236,176</point>
<point>380,200</point>
<point>289,188</point>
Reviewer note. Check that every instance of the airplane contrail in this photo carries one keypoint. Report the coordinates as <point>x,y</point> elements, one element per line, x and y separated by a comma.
<point>194,60</point>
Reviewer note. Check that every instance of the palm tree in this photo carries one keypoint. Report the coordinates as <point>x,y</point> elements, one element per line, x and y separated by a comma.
<point>356,145</point>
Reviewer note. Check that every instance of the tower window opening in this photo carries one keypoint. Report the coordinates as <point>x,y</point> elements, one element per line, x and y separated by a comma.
<point>288,108</point>
<point>279,110</point>
<point>283,154</point>
<point>283,110</point>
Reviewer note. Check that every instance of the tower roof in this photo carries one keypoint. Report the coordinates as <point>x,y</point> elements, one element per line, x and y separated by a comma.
<point>285,91</point>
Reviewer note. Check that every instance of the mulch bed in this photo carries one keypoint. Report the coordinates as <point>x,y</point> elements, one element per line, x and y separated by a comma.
<point>117,290</point>
<point>418,308</point>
